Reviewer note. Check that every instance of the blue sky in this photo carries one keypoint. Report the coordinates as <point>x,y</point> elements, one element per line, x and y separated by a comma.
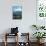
<point>17,8</point>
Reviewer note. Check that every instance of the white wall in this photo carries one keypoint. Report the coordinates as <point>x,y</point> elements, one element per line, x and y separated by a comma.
<point>28,15</point>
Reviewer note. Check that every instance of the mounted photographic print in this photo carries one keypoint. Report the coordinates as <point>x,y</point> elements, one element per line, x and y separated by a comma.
<point>17,12</point>
<point>41,8</point>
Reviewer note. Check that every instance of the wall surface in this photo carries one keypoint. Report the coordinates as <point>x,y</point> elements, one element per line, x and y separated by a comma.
<point>28,15</point>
